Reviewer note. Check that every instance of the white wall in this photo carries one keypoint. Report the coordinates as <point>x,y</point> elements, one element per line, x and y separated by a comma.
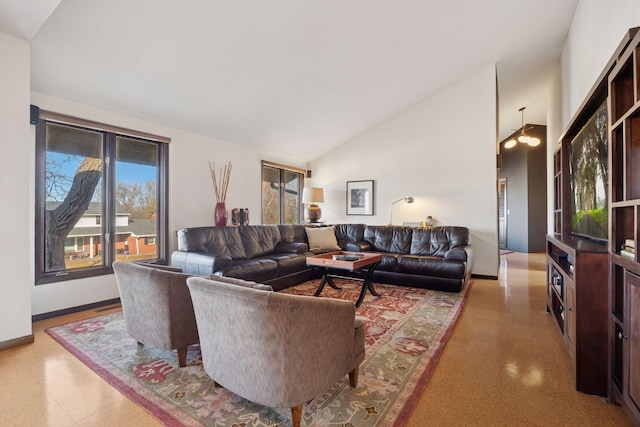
<point>191,198</point>
<point>596,30</point>
<point>441,151</point>
<point>15,306</point>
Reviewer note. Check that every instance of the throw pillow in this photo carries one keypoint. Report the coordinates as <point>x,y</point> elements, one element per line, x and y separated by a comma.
<point>322,239</point>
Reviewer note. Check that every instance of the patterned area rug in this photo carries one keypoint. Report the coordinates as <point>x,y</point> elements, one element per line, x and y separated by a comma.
<point>407,330</point>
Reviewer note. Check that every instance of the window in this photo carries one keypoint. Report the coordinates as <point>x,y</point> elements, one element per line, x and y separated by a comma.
<point>281,192</point>
<point>97,191</point>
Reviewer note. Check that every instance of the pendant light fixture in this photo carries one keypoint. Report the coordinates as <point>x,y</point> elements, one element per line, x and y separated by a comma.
<point>523,137</point>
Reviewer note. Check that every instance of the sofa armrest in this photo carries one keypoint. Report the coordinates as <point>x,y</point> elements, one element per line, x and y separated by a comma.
<point>199,263</point>
<point>361,246</point>
<point>458,253</point>
<point>291,248</point>
<point>462,253</point>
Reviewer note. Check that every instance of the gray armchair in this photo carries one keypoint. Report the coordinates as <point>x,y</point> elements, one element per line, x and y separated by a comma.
<point>157,306</point>
<point>275,349</point>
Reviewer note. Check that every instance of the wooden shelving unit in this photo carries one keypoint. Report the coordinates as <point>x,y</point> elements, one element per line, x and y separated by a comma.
<point>577,298</point>
<point>624,214</point>
<point>593,288</point>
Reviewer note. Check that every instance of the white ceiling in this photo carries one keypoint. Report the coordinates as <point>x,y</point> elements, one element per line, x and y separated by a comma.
<point>295,76</point>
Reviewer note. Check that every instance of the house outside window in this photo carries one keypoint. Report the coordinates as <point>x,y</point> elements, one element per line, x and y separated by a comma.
<point>98,192</point>
<point>281,194</point>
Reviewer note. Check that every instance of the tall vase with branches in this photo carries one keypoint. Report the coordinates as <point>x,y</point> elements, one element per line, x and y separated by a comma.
<point>220,186</point>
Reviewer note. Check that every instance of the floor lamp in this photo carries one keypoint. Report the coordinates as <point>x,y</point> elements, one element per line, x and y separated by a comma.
<point>405,199</point>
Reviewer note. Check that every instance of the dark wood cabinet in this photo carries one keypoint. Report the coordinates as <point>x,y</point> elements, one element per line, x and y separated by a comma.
<point>624,215</point>
<point>577,271</point>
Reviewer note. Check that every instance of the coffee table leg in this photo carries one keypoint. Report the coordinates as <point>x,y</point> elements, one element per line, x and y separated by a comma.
<point>321,287</point>
<point>369,282</point>
<point>333,285</point>
<point>367,285</point>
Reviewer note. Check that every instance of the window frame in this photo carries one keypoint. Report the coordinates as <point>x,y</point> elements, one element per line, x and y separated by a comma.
<point>108,188</point>
<point>281,169</point>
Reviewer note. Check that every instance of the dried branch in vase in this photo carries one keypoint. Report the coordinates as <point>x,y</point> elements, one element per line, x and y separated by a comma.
<point>220,184</point>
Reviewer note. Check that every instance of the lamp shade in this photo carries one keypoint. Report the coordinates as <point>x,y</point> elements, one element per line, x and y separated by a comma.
<point>312,195</point>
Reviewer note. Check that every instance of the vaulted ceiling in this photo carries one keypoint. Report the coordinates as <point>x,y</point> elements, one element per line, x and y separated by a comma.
<point>296,77</point>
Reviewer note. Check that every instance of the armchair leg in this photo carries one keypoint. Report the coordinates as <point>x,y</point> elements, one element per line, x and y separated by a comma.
<point>296,415</point>
<point>182,357</point>
<point>353,377</point>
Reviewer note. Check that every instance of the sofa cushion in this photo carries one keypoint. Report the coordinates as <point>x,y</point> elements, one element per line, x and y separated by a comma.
<point>259,239</point>
<point>389,262</point>
<point>349,233</point>
<point>432,266</point>
<point>293,233</point>
<point>212,241</point>
<point>288,263</point>
<point>241,282</point>
<point>386,238</point>
<point>257,269</point>
<point>437,241</point>
<point>322,239</point>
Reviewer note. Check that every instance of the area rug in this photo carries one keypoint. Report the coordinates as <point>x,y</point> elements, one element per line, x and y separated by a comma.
<point>406,331</point>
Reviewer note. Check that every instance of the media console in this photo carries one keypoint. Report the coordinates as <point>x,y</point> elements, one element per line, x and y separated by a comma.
<point>577,275</point>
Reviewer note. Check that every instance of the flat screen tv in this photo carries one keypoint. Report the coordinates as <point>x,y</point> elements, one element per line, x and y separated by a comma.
<point>588,178</point>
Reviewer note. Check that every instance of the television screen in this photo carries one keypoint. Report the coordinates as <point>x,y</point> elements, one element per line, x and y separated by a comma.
<point>588,177</point>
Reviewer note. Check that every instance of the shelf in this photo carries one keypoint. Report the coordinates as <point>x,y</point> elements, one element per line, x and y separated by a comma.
<point>622,92</point>
<point>632,146</point>
<point>622,227</point>
<point>617,292</point>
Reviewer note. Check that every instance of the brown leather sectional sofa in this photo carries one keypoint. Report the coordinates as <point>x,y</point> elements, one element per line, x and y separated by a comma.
<point>437,258</point>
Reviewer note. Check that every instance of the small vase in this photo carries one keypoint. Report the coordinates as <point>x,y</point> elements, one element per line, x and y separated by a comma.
<point>221,214</point>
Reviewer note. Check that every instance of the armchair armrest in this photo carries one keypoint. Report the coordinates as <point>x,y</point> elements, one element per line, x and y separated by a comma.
<point>292,247</point>
<point>361,246</point>
<point>199,263</point>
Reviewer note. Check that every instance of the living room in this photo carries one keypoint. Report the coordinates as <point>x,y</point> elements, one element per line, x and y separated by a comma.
<point>441,149</point>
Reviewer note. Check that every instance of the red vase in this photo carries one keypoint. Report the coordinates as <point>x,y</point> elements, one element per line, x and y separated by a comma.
<point>221,214</point>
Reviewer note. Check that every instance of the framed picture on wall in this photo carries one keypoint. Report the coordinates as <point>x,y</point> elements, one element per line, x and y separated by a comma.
<point>360,197</point>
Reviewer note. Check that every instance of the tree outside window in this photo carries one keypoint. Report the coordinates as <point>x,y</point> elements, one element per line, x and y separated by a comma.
<point>281,192</point>
<point>101,196</point>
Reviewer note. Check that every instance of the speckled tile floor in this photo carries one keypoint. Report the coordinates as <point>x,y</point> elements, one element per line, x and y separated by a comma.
<point>503,366</point>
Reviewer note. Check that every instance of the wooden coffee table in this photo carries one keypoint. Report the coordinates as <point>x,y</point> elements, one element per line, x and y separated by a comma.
<point>354,262</point>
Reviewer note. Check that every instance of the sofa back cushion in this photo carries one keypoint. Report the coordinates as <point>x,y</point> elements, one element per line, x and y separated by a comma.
<point>389,238</point>
<point>346,233</point>
<point>436,241</point>
<point>290,233</point>
<point>259,239</point>
<point>212,240</point>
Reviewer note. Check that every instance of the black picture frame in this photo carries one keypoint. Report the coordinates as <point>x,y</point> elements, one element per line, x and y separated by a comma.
<point>360,197</point>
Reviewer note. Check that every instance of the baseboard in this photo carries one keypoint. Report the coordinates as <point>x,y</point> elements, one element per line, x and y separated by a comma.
<point>483,276</point>
<point>72,310</point>
<point>16,342</point>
